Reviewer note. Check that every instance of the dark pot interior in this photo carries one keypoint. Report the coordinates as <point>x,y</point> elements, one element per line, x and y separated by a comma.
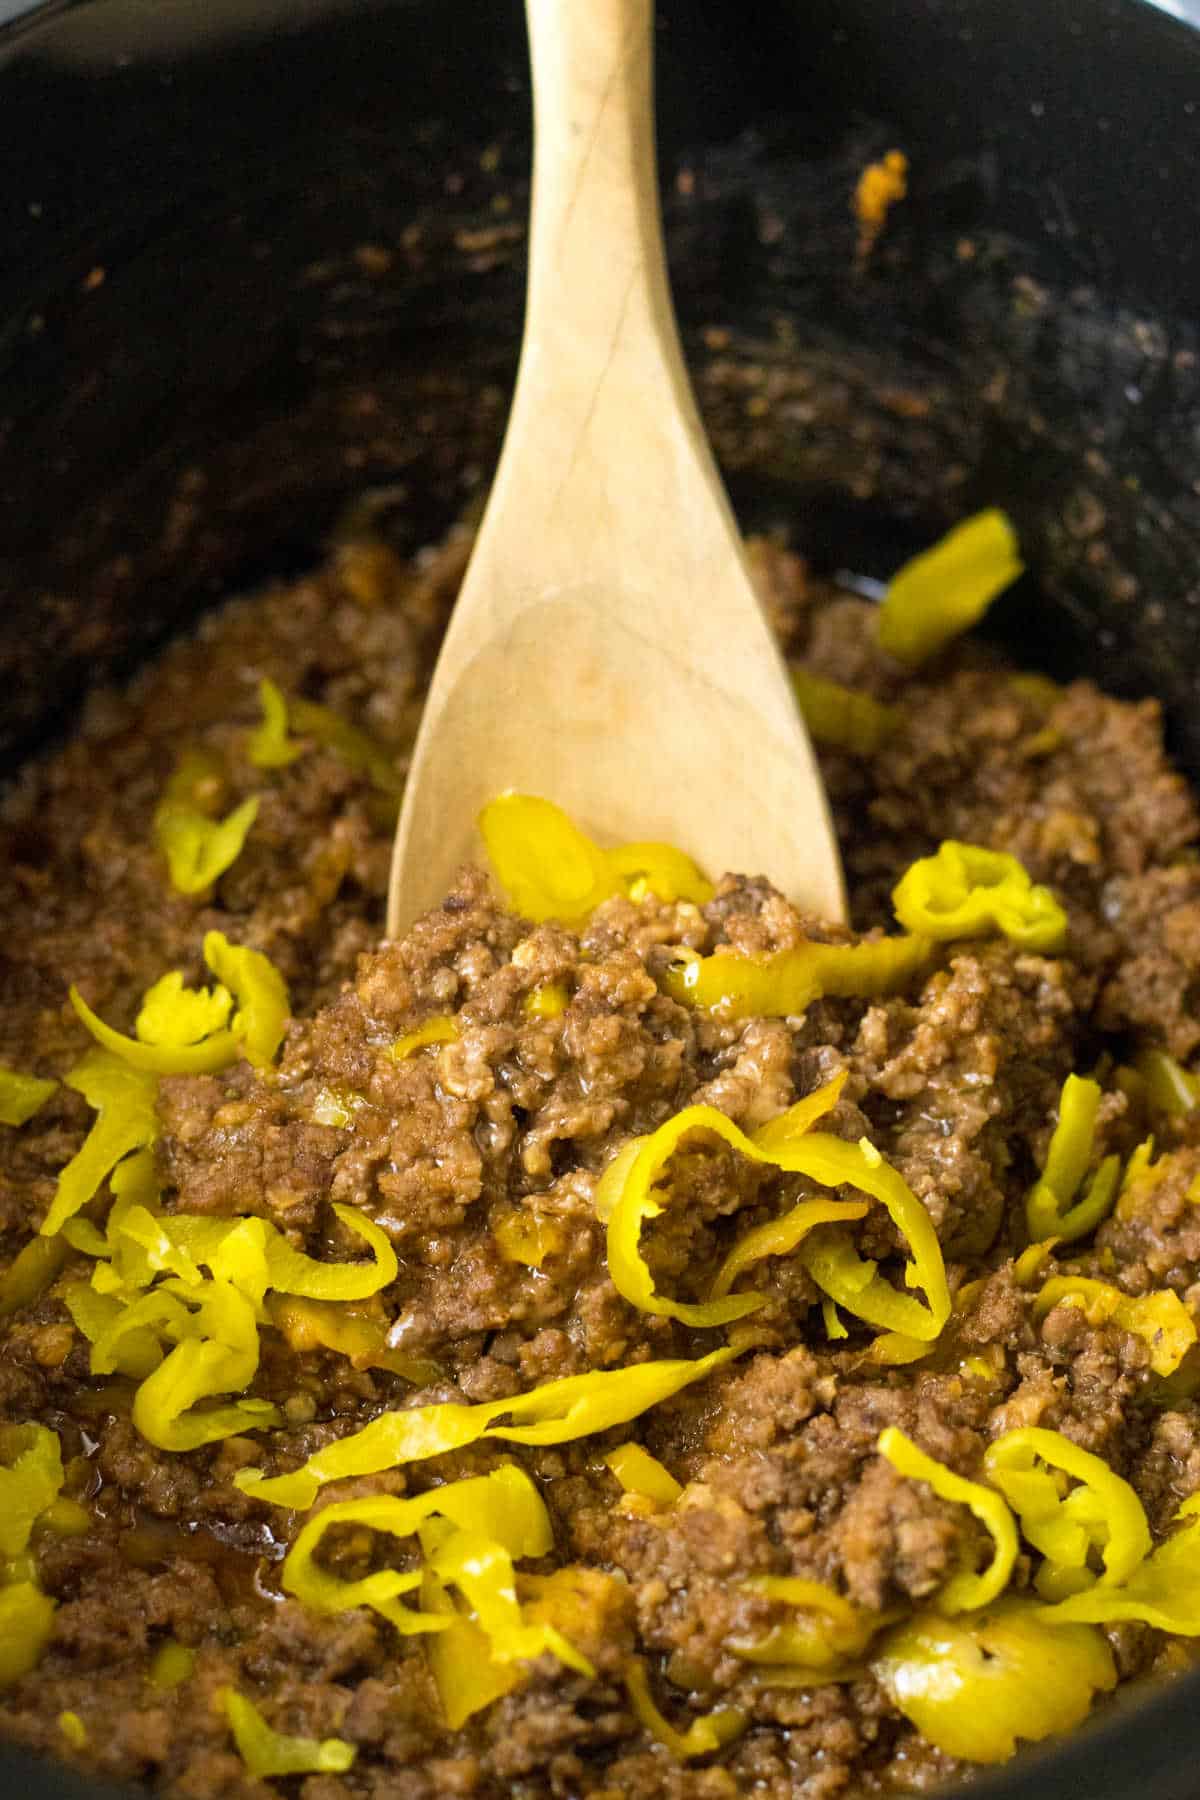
<point>258,258</point>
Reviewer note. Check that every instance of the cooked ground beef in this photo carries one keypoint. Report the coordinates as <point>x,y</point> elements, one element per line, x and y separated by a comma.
<point>956,1083</point>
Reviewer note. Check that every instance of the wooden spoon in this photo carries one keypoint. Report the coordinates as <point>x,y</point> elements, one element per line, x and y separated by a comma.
<point>607,650</point>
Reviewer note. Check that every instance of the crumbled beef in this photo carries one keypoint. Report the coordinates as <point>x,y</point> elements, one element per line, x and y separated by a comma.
<point>956,1081</point>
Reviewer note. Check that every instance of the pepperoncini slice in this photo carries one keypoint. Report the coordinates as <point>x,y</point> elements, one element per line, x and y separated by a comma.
<point>481,1568</point>
<point>357,749</point>
<point>526,1237</point>
<point>947,589</point>
<point>836,1267</point>
<point>183,1031</point>
<point>31,1475</point>
<point>703,1737</point>
<point>121,1343</point>
<point>261,994</point>
<point>21,1096</point>
<point>291,1272</point>
<point>206,1058</point>
<point>124,1098</point>
<point>841,717</point>
<point>441,1029</point>
<point>31,1273</point>
<point>965,1591</point>
<point>266,1752</point>
<point>640,1473</point>
<point>1102,1512</point>
<point>549,869</point>
<point>198,848</point>
<point>1160,1318</point>
<point>834,1329</point>
<point>465,1675</point>
<point>975,1684</point>
<point>269,746</point>
<point>1169,1087</point>
<point>825,1628</point>
<point>195,1238</point>
<point>1163,1590</point>
<point>786,982</point>
<point>779,1237</point>
<point>1142,1175</point>
<point>495,1518</point>
<point>557,1413</point>
<point>624,1201</point>
<point>1049,1211</point>
<point>362,1341</point>
<point>218,1355</point>
<point>26,1626</point>
<point>965,891</point>
<point>783,1130</point>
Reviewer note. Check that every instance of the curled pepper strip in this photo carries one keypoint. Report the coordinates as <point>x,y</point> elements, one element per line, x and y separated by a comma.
<point>965,1591</point>
<point>856,1285</point>
<point>267,1753</point>
<point>197,847</point>
<point>290,1271</point>
<point>173,1022</point>
<point>824,1630</point>
<point>549,869</point>
<point>779,1237</point>
<point>1163,1590</point>
<point>705,1735</point>
<point>940,594</point>
<point>556,1413</point>
<point>261,994</point>
<point>481,1568</point>
<point>221,1358</point>
<point>1160,1318</point>
<point>206,1058</point>
<point>31,1476</point>
<point>785,983</point>
<point>1102,1512</point>
<point>357,749</point>
<point>840,717</point>
<point>21,1096</point>
<point>504,1506</point>
<point>124,1098</point>
<point>465,1674</point>
<point>975,1684</point>
<point>269,746</point>
<point>1049,1211</point>
<point>31,1273</point>
<point>482,1525</point>
<point>361,1340</point>
<point>965,891</point>
<point>625,1201</point>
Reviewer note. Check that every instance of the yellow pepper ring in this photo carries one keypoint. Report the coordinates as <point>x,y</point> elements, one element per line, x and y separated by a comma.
<point>1107,1505</point>
<point>964,1592</point>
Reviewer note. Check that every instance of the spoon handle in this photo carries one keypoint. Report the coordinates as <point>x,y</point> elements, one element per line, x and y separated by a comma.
<point>596,234</point>
<point>601,362</point>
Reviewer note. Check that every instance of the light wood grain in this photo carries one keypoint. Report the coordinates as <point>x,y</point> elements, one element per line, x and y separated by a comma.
<point>607,650</point>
